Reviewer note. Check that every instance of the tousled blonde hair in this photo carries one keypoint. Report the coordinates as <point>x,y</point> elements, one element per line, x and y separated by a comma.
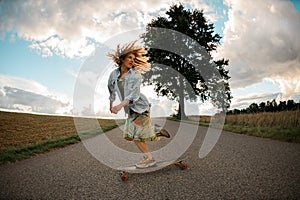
<point>141,62</point>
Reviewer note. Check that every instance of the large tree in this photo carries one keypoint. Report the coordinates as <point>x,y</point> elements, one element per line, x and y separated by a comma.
<point>191,82</point>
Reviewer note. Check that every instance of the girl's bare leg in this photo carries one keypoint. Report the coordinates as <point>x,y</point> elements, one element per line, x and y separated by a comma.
<point>143,147</point>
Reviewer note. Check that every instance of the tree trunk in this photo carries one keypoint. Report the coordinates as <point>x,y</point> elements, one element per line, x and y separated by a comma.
<point>181,109</point>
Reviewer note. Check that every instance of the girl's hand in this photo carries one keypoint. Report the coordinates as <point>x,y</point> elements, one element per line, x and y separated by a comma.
<point>111,110</point>
<point>111,106</point>
<point>116,109</point>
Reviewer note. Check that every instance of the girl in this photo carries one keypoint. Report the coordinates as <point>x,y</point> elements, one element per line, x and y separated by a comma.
<point>126,81</point>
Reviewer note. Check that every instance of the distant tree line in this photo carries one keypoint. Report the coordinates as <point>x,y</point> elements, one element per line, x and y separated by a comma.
<point>269,106</point>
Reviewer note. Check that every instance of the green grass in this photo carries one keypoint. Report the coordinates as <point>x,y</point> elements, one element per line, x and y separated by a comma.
<point>291,134</point>
<point>14,154</point>
<point>287,134</point>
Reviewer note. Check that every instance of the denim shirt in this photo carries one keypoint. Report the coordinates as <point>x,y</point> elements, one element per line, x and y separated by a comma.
<point>138,101</point>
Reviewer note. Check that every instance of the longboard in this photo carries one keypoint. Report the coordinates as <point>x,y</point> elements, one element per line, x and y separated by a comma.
<point>159,165</point>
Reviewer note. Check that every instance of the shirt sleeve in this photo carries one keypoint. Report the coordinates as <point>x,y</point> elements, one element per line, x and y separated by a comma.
<point>132,90</point>
<point>111,88</point>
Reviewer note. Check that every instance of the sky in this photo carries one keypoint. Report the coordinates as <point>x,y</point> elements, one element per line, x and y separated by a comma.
<point>44,45</point>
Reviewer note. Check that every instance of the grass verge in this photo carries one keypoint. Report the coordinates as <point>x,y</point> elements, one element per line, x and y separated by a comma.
<point>14,154</point>
<point>287,134</point>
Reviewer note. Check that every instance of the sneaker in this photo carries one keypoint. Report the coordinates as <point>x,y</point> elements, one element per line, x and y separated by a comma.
<point>147,162</point>
<point>163,132</point>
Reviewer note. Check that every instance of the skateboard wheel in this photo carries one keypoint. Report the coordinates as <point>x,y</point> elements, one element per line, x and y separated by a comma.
<point>183,166</point>
<point>124,177</point>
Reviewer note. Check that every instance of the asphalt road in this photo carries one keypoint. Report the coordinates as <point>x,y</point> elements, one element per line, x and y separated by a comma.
<point>238,167</point>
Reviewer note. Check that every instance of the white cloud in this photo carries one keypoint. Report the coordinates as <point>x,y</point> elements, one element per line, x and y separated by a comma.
<point>261,40</point>
<point>65,27</point>
<point>240,102</point>
<point>72,27</point>
<point>23,84</point>
<point>290,87</point>
<point>29,96</point>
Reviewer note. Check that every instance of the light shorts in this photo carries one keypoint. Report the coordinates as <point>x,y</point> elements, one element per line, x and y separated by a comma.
<point>138,127</point>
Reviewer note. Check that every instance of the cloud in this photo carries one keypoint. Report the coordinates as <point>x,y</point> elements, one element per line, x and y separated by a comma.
<point>23,84</point>
<point>72,28</point>
<point>17,99</point>
<point>261,40</point>
<point>290,87</point>
<point>240,102</point>
<point>20,94</point>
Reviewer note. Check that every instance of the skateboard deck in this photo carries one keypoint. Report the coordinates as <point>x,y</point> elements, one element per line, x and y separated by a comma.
<point>159,165</point>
